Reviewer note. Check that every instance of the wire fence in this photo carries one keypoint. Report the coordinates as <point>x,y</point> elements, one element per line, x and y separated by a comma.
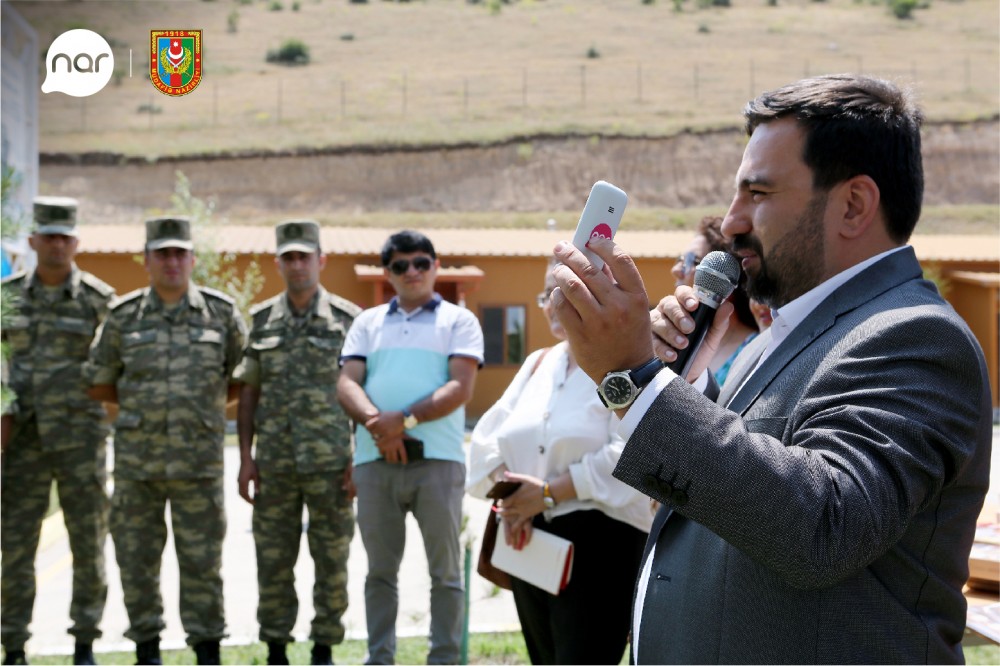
<point>593,92</point>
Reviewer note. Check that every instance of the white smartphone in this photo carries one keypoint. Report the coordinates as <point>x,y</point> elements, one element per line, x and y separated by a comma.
<point>600,219</point>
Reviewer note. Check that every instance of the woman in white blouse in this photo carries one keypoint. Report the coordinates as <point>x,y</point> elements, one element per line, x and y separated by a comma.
<point>550,432</point>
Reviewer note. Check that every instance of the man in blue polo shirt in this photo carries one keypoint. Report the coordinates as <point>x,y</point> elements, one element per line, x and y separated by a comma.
<point>409,367</point>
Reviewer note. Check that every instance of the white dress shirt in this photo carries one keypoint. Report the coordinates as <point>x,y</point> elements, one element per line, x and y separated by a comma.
<point>551,422</point>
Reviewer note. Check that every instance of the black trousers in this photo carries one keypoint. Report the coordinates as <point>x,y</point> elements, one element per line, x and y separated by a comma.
<point>588,622</point>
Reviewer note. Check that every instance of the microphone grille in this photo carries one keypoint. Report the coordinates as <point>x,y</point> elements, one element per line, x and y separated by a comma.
<point>718,273</point>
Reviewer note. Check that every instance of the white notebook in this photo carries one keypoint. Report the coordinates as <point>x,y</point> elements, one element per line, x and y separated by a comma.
<point>546,562</point>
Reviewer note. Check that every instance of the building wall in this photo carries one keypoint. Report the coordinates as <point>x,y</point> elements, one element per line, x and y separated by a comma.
<point>517,281</point>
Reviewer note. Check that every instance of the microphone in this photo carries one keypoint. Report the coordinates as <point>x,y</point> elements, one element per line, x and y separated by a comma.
<point>715,278</point>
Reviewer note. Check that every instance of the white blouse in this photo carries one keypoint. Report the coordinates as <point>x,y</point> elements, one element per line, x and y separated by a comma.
<point>548,422</point>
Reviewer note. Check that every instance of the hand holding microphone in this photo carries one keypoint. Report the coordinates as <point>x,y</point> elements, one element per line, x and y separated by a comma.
<point>680,336</point>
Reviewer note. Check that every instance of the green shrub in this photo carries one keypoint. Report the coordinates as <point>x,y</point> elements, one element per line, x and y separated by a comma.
<point>292,52</point>
<point>903,9</point>
<point>276,6</point>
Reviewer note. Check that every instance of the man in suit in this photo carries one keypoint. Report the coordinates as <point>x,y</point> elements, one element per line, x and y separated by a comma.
<point>823,508</point>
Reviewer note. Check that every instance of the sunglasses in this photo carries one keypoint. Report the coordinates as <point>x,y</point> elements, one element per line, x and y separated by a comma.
<point>400,266</point>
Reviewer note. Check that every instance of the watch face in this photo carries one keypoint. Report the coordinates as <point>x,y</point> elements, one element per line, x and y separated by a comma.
<point>617,390</point>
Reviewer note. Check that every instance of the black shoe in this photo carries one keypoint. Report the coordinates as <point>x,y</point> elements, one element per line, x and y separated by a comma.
<point>207,652</point>
<point>321,654</point>
<point>14,657</point>
<point>148,652</point>
<point>276,654</point>
<point>83,654</point>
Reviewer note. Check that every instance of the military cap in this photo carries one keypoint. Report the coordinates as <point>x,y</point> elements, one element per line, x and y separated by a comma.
<point>297,236</point>
<point>55,215</point>
<point>164,232</point>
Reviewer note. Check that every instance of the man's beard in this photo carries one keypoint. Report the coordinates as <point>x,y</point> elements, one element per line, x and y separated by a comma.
<point>794,265</point>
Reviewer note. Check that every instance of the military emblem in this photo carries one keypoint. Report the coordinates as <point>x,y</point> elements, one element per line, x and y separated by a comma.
<point>175,62</point>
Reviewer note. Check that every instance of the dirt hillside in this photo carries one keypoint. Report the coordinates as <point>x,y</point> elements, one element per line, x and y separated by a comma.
<point>961,161</point>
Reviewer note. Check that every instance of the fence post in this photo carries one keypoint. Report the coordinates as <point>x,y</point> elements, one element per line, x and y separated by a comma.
<point>279,100</point>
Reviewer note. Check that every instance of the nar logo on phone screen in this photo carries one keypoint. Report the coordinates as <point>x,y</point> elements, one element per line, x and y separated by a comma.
<point>79,63</point>
<point>602,230</point>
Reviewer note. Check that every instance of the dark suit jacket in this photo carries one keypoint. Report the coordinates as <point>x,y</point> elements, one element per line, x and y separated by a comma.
<point>827,514</point>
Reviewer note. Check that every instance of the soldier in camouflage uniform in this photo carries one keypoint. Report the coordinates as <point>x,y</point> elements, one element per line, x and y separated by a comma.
<point>53,431</point>
<point>166,354</point>
<point>303,455</point>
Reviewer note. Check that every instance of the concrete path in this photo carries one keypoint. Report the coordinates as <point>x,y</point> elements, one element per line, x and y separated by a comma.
<point>490,611</point>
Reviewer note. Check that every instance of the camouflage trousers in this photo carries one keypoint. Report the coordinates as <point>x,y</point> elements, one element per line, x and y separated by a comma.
<point>27,474</point>
<point>139,529</point>
<point>277,532</point>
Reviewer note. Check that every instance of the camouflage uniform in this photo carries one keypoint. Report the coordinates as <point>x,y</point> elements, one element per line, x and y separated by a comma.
<point>57,434</point>
<point>171,368</point>
<point>303,449</point>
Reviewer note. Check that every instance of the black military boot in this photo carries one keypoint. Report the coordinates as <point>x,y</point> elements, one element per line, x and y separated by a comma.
<point>321,654</point>
<point>276,654</point>
<point>14,657</point>
<point>83,654</point>
<point>148,652</point>
<point>207,652</point>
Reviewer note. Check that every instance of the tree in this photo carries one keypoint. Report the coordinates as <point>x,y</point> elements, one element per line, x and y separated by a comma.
<point>213,268</point>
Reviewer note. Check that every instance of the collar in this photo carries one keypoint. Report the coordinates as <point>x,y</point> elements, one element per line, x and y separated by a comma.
<point>790,315</point>
<point>430,305</point>
<point>71,287</point>
<point>151,301</point>
<point>282,310</point>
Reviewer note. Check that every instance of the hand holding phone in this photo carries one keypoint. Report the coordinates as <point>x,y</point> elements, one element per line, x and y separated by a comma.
<point>601,216</point>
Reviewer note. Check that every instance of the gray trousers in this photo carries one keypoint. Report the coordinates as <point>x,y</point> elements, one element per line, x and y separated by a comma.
<point>432,490</point>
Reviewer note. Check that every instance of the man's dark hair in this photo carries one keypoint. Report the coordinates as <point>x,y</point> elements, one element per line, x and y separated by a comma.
<point>855,125</point>
<point>405,242</point>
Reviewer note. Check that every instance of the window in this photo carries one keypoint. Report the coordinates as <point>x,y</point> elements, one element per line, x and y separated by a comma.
<point>503,334</point>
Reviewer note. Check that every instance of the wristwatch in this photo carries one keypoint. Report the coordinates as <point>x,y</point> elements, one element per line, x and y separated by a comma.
<point>409,420</point>
<point>547,499</point>
<point>620,389</point>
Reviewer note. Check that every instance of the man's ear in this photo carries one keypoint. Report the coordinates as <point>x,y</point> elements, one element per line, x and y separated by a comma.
<point>861,200</point>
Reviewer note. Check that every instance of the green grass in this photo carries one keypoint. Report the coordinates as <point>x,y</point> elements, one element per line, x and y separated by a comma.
<point>486,648</point>
<point>498,648</point>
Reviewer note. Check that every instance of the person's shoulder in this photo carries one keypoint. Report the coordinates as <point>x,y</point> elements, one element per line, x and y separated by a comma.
<point>128,302</point>
<point>264,307</point>
<point>216,295</point>
<point>96,285</point>
<point>368,315</point>
<point>341,305</point>
<point>260,312</point>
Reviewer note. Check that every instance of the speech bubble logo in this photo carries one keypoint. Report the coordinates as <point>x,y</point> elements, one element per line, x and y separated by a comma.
<point>79,63</point>
<point>602,230</point>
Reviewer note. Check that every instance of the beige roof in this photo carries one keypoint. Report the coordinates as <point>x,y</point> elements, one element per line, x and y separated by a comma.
<point>243,239</point>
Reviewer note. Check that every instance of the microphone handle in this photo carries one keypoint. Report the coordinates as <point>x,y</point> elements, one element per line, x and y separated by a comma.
<point>703,317</point>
